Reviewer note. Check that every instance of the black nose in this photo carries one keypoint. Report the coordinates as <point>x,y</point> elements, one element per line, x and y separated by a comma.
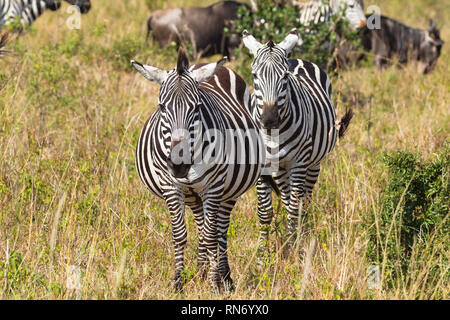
<point>270,124</point>
<point>270,121</point>
<point>269,116</point>
<point>84,6</point>
<point>177,163</point>
<point>178,170</point>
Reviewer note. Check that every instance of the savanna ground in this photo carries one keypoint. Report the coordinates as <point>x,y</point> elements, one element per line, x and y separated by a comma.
<point>71,110</point>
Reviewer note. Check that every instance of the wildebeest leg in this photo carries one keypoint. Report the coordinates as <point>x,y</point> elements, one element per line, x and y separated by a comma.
<point>223,221</point>
<point>191,36</point>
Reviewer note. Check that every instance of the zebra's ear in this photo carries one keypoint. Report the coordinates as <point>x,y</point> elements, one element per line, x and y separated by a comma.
<point>205,72</point>
<point>150,73</point>
<point>290,41</point>
<point>250,42</point>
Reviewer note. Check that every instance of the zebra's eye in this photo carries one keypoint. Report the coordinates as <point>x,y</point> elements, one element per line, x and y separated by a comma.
<point>254,76</point>
<point>162,107</point>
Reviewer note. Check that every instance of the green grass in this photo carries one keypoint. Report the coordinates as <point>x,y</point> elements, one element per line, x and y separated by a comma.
<point>71,110</point>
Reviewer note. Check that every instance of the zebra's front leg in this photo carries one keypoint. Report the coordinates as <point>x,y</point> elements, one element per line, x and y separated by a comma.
<point>223,223</point>
<point>202,259</point>
<point>210,235</point>
<point>265,213</point>
<point>298,176</point>
<point>312,174</point>
<point>175,202</point>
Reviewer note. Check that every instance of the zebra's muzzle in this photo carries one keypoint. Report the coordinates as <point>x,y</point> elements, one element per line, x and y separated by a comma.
<point>179,161</point>
<point>269,116</point>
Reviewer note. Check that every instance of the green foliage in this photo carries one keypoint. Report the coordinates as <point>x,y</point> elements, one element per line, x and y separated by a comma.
<point>273,21</point>
<point>154,4</point>
<point>15,25</point>
<point>415,207</point>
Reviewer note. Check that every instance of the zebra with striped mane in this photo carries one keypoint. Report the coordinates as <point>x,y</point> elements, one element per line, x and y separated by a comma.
<point>197,106</point>
<point>27,11</point>
<point>291,101</point>
<point>317,11</point>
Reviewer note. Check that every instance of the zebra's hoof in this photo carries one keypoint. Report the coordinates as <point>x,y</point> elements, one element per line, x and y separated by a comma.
<point>178,282</point>
<point>228,284</point>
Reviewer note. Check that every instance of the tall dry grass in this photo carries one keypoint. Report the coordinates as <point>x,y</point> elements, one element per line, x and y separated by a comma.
<point>71,111</point>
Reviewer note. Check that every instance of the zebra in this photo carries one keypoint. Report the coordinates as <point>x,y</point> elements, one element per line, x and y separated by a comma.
<point>201,98</point>
<point>27,11</point>
<point>316,11</point>
<point>291,101</point>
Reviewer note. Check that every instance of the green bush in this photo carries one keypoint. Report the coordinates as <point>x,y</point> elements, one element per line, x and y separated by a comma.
<point>273,20</point>
<point>415,205</point>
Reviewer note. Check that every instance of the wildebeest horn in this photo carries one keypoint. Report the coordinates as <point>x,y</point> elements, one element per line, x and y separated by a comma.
<point>431,25</point>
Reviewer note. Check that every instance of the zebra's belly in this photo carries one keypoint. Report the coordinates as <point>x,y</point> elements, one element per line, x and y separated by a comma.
<point>237,179</point>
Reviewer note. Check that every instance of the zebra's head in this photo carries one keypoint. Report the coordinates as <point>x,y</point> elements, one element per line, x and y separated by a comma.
<point>52,4</point>
<point>354,11</point>
<point>179,102</point>
<point>84,5</point>
<point>271,74</point>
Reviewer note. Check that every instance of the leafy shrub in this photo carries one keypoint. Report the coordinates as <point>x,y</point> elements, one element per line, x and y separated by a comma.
<point>123,51</point>
<point>415,207</point>
<point>273,20</point>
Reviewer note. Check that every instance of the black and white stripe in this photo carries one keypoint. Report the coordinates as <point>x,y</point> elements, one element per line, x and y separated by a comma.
<point>27,11</point>
<point>292,97</point>
<point>318,11</point>
<point>196,101</point>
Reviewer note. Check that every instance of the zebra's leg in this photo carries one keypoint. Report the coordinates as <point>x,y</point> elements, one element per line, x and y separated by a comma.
<point>282,179</point>
<point>202,259</point>
<point>312,174</point>
<point>211,207</point>
<point>265,212</point>
<point>298,177</point>
<point>223,221</point>
<point>175,202</point>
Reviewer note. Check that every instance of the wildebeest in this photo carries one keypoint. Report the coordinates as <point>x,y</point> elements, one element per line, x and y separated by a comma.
<point>409,44</point>
<point>203,27</point>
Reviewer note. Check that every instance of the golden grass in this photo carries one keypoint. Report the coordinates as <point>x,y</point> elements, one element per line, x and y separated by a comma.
<point>70,194</point>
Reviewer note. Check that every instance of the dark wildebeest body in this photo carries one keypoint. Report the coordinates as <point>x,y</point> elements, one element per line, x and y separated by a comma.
<point>409,44</point>
<point>201,26</point>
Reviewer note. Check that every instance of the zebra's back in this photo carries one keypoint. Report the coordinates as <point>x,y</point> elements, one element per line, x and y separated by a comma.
<point>323,116</point>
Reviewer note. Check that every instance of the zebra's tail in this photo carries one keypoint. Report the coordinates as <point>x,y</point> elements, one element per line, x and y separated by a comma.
<point>345,121</point>
<point>149,28</point>
<point>4,39</point>
<point>269,180</point>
